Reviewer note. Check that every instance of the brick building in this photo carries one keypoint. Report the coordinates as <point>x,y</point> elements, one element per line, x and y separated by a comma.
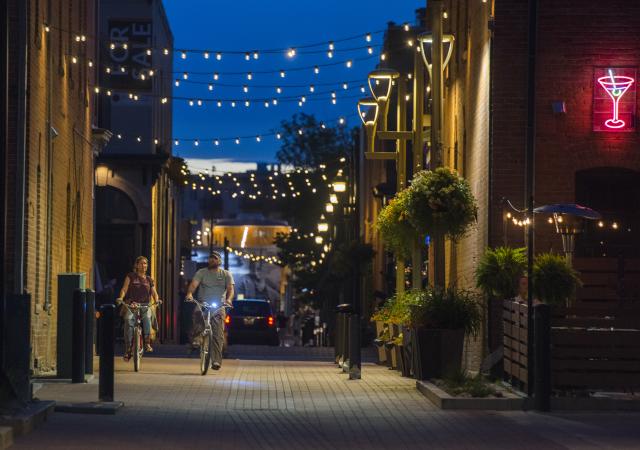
<point>578,158</point>
<point>48,157</point>
<point>137,198</point>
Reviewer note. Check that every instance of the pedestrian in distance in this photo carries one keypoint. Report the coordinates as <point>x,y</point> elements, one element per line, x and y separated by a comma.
<point>211,284</point>
<point>138,288</point>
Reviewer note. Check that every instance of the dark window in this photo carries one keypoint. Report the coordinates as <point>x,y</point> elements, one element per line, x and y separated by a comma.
<point>614,193</point>
<point>113,205</point>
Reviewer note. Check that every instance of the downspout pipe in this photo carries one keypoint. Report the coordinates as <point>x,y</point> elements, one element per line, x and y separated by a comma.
<point>21,149</point>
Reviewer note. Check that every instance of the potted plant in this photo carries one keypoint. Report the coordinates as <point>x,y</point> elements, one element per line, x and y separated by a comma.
<point>441,319</point>
<point>554,281</point>
<point>383,334</point>
<point>497,276</point>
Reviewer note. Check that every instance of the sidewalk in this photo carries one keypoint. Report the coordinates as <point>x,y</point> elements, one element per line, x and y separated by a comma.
<point>271,403</point>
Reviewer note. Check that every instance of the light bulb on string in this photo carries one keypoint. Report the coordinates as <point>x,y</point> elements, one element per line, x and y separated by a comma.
<point>312,88</point>
<point>279,90</point>
<point>183,55</point>
<point>316,70</point>
<point>233,104</point>
<point>255,55</point>
<point>245,88</point>
<point>282,74</point>
<point>330,54</point>
<point>237,141</point>
<point>216,76</point>
<point>331,46</point>
<point>406,26</point>
<point>210,87</point>
<point>291,52</point>
<point>349,64</point>
<point>370,50</point>
<point>249,76</point>
<point>219,104</point>
<point>218,56</point>
<point>216,142</point>
<point>206,55</point>
<point>345,86</point>
<point>247,56</point>
<point>367,37</point>
<point>246,103</point>
<point>165,51</point>
<point>148,52</point>
<point>185,76</point>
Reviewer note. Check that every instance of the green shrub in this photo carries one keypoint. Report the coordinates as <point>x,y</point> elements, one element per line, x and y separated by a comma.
<point>553,279</point>
<point>499,270</point>
<point>449,309</point>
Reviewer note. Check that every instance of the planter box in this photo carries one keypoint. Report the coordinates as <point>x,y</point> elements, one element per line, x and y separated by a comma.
<point>437,352</point>
<point>510,401</point>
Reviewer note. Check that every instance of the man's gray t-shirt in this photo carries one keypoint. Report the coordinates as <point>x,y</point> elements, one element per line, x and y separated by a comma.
<point>213,284</point>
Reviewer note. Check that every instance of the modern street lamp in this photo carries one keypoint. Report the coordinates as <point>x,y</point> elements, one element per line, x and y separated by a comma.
<point>323,226</point>
<point>328,207</point>
<point>339,186</point>
<point>333,199</point>
<point>380,84</point>
<point>426,39</point>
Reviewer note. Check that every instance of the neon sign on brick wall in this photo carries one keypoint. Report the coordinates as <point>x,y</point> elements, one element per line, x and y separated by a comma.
<point>614,99</point>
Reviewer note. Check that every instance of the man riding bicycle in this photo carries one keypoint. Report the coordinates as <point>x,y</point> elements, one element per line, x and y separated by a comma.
<point>213,284</point>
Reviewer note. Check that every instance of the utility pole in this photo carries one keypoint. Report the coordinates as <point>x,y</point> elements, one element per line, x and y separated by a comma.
<point>401,169</point>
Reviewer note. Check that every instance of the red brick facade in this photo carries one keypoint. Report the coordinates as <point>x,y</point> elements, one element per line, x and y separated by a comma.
<point>59,164</point>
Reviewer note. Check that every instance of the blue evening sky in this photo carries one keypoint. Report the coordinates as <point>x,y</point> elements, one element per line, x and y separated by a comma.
<point>252,24</point>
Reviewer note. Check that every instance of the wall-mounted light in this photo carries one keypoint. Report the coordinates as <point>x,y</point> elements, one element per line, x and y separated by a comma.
<point>368,109</point>
<point>103,173</point>
<point>426,39</point>
<point>380,84</point>
<point>339,186</point>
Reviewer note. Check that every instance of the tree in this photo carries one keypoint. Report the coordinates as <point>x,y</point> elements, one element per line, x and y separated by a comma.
<point>308,143</point>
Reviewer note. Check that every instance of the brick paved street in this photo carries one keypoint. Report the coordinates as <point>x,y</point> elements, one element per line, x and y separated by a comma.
<point>299,402</point>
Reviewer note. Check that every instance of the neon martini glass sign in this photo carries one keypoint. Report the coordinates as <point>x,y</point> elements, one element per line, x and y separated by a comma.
<point>615,86</point>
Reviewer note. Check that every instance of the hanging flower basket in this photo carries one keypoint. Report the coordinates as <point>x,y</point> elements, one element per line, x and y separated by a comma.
<point>440,202</point>
<point>393,224</point>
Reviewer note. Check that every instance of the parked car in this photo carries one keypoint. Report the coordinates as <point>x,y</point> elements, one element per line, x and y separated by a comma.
<point>251,321</point>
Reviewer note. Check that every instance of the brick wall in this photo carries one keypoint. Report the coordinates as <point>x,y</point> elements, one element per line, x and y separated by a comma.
<point>466,138</point>
<point>59,195</point>
<point>574,37</point>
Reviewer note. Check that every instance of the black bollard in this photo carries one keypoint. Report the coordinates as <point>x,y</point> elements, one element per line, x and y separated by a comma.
<point>542,357</point>
<point>355,365</point>
<point>107,342</point>
<point>89,334</point>
<point>78,336</point>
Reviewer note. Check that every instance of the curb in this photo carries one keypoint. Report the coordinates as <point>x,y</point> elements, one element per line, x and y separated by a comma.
<point>105,408</point>
<point>27,419</point>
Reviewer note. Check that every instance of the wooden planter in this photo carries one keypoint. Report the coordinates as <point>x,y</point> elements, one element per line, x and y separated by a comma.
<point>438,353</point>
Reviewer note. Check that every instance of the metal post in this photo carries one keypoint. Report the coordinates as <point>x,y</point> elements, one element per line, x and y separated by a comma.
<point>355,365</point>
<point>226,254</point>
<point>530,174</point>
<point>418,157</point>
<point>542,355</point>
<point>401,168</point>
<point>89,331</point>
<point>437,253</point>
<point>107,341</point>
<point>78,336</point>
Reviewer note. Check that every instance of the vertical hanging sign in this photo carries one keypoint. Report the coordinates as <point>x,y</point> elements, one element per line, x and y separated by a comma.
<point>614,99</point>
<point>130,64</point>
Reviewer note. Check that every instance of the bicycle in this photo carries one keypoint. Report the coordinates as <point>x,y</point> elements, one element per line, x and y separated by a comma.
<point>137,339</point>
<point>208,310</point>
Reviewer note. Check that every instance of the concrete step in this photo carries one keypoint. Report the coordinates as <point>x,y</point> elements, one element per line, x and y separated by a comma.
<point>25,420</point>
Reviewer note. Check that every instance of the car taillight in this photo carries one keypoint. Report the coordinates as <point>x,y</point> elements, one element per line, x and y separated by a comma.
<point>270,321</point>
<point>227,320</point>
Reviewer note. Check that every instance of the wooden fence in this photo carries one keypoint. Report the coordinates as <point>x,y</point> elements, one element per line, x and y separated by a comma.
<point>595,348</point>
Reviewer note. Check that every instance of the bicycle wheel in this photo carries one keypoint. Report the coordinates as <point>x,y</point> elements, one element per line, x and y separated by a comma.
<point>205,353</point>
<point>137,349</point>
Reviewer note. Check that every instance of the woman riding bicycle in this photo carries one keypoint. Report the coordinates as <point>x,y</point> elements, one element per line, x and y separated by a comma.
<point>138,288</point>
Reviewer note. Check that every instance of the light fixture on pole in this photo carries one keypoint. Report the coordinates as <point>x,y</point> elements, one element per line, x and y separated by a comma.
<point>333,198</point>
<point>426,39</point>
<point>329,207</point>
<point>368,109</point>
<point>339,186</point>
<point>380,84</point>
<point>323,226</point>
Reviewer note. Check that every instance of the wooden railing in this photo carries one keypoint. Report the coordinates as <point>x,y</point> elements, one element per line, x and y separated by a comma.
<point>590,347</point>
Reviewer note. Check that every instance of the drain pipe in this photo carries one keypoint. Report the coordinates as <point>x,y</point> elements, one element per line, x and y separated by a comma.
<point>21,151</point>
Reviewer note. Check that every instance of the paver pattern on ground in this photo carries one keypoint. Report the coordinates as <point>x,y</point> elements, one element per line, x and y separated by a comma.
<point>278,399</point>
